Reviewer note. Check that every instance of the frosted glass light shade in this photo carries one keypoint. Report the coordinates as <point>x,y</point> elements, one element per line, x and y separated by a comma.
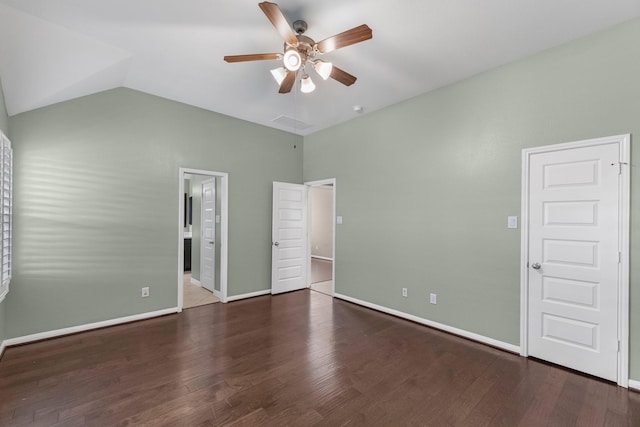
<point>292,60</point>
<point>323,68</point>
<point>279,74</point>
<point>306,84</point>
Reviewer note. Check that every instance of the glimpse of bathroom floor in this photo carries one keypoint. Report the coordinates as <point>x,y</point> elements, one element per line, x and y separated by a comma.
<point>322,276</point>
<point>323,287</point>
<point>321,270</point>
<point>194,296</point>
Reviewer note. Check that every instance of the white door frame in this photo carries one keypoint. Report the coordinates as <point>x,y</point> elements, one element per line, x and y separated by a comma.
<point>623,142</point>
<point>319,183</point>
<point>224,229</point>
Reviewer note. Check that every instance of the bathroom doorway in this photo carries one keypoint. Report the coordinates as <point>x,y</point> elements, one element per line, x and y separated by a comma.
<point>322,236</point>
<point>202,274</point>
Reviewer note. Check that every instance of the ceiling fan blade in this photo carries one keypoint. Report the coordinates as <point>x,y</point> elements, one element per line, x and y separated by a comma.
<point>278,20</point>
<point>347,38</point>
<point>342,76</point>
<point>288,82</point>
<point>253,57</point>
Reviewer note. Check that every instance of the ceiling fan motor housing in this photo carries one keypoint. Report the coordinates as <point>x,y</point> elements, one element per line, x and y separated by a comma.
<point>305,47</point>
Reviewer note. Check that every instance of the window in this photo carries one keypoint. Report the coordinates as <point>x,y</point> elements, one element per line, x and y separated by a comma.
<point>6,213</point>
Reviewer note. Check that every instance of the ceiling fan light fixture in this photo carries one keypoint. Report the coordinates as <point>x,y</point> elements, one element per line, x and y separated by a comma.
<point>323,68</point>
<point>279,74</point>
<point>306,84</point>
<point>300,51</point>
<point>292,60</point>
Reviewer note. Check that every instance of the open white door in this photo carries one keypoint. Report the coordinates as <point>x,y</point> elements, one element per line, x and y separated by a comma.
<point>207,241</point>
<point>289,238</point>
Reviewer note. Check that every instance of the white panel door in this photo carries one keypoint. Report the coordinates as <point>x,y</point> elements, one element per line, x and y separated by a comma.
<point>207,242</point>
<point>574,257</point>
<point>289,238</point>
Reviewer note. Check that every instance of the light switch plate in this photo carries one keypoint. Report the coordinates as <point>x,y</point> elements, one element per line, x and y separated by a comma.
<point>339,219</point>
<point>217,219</point>
<point>512,222</point>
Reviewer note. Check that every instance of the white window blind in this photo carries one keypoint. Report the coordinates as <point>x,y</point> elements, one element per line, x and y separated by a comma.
<point>6,213</point>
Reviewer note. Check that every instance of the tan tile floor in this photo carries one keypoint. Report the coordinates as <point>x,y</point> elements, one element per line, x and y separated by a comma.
<point>194,296</point>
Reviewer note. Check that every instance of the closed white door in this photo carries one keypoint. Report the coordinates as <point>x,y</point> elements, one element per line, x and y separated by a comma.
<point>289,238</point>
<point>207,242</point>
<point>574,258</point>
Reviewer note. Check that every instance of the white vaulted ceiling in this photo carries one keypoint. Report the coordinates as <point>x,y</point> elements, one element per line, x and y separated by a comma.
<point>52,51</point>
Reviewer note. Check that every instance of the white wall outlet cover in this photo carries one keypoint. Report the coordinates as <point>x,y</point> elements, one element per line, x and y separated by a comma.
<point>217,219</point>
<point>512,222</point>
<point>339,219</point>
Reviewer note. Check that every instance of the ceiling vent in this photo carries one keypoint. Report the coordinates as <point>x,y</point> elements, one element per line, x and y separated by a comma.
<point>291,123</point>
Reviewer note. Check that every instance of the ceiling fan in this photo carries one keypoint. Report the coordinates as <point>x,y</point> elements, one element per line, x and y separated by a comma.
<point>300,51</point>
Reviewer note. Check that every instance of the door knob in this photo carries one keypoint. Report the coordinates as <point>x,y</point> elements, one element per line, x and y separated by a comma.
<point>276,244</point>
<point>535,266</point>
<point>211,242</point>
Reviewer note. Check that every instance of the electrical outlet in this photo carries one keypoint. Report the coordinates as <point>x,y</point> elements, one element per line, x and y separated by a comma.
<point>433,298</point>
<point>144,292</point>
<point>404,292</point>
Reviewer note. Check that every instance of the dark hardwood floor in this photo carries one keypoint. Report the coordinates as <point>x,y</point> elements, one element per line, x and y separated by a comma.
<point>296,359</point>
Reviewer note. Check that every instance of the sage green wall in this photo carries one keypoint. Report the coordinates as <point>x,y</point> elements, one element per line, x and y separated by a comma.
<point>4,117</point>
<point>425,186</point>
<point>87,239</point>
<point>4,126</point>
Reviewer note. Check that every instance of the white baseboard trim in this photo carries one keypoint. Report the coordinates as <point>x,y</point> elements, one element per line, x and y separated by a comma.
<point>196,282</point>
<point>3,345</point>
<point>461,332</point>
<point>322,257</point>
<point>249,295</point>
<point>87,327</point>
<point>634,384</point>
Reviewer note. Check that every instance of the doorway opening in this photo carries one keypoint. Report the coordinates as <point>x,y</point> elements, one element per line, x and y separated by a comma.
<point>203,237</point>
<point>322,220</point>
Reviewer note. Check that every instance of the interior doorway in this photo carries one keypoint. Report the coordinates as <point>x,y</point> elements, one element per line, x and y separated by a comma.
<point>322,236</point>
<point>203,222</point>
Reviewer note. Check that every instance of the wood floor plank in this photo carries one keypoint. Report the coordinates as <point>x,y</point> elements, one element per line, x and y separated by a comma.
<point>297,359</point>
